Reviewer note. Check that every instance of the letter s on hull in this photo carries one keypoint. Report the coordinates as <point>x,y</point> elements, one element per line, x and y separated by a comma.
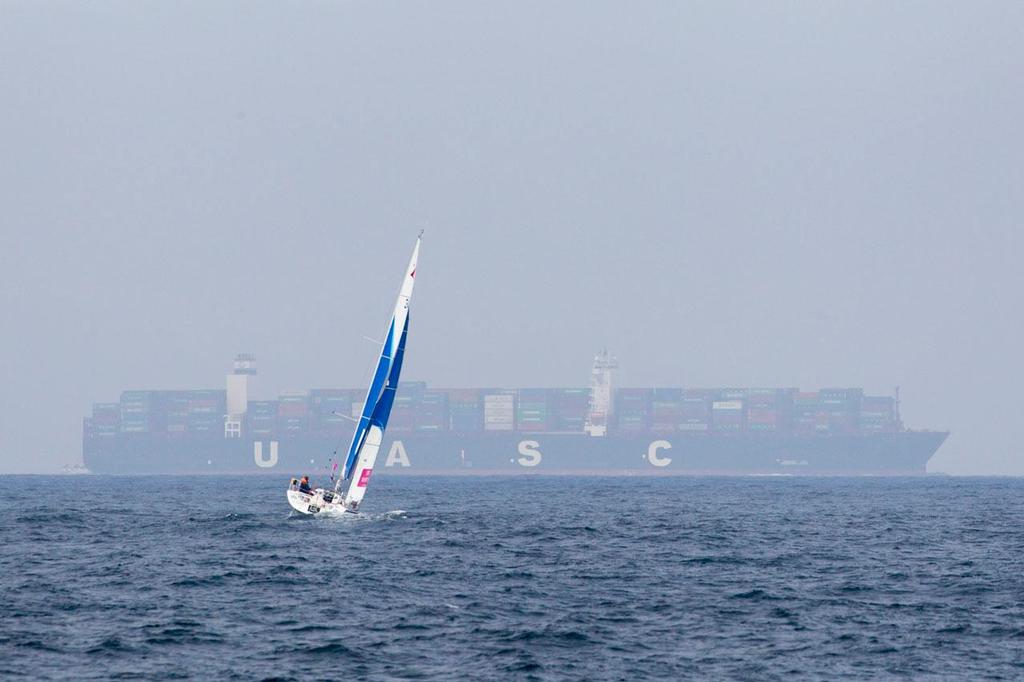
<point>530,454</point>
<point>652,453</point>
<point>257,452</point>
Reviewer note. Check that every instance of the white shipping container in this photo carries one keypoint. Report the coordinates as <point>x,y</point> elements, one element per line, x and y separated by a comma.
<point>499,420</point>
<point>294,395</point>
<point>499,411</point>
<point>727,405</point>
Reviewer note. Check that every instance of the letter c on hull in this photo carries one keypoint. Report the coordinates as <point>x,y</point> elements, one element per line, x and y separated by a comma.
<point>530,454</point>
<point>257,453</point>
<point>652,453</point>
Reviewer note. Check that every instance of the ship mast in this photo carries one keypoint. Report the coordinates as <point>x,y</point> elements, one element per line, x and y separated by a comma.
<point>896,410</point>
<point>600,394</point>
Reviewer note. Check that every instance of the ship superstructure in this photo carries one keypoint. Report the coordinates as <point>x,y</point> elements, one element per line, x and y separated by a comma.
<point>600,408</point>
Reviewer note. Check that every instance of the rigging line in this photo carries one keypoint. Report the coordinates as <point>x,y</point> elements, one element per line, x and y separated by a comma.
<point>337,445</point>
<point>373,366</point>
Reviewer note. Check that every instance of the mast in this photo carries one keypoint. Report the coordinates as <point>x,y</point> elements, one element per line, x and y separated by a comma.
<point>380,396</point>
<point>896,409</point>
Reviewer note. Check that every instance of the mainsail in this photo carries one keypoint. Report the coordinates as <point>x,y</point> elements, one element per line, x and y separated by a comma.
<point>362,453</point>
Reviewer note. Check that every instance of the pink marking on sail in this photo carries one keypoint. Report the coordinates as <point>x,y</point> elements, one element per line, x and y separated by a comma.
<point>364,478</point>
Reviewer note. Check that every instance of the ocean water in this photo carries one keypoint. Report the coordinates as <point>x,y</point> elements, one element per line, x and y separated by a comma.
<point>514,578</point>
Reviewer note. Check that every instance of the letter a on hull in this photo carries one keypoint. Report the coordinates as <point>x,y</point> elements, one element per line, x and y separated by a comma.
<point>397,455</point>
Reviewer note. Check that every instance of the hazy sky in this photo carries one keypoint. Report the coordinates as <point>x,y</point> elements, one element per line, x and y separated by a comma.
<point>757,194</point>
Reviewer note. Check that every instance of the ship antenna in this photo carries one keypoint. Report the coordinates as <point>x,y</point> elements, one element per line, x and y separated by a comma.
<point>896,405</point>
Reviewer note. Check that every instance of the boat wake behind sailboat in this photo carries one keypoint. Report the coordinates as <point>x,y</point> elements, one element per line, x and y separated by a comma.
<point>366,440</point>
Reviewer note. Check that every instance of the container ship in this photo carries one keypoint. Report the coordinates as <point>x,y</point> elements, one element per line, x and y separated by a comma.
<point>599,429</point>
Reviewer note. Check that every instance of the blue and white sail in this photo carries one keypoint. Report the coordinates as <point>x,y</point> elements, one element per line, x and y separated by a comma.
<point>362,453</point>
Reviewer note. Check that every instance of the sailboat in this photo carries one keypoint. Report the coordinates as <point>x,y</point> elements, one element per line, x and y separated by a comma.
<point>369,431</point>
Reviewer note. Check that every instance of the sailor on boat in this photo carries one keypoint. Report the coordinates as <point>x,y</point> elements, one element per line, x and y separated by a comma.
<point>304,486</point>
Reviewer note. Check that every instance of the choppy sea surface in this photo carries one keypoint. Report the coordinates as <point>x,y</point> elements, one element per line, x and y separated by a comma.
<point>514,578</point>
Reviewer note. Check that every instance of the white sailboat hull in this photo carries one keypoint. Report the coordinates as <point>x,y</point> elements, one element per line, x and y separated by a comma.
<point>315,504</point>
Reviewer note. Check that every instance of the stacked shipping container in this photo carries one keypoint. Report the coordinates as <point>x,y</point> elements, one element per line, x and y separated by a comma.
<point>532,410</point>
<point>465,410</point>
<point>262,417</point>
<point>564,410</point>
<point>403,412</point>
<point>499,410</point>
<point>728,411</point>
<point>878,415</point>
<point>293,413</point>
<point>570,406</point>
<point>805,412</point>
<point>666,409</point>
<point>331,409</point>
<point>175,412</point>
<point>205,410</point>
<point>139,411</point>
<point>842,407</point>
<point>696,412</point>
<point>770,409</point>
<point>432,411</point>
<point>105,420</point>
<point>631,409</point>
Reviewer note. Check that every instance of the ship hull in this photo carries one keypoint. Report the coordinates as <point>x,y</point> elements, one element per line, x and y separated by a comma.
<point>902,453</point>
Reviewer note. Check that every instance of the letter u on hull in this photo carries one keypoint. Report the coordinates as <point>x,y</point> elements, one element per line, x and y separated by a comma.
<point>257,454</point>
